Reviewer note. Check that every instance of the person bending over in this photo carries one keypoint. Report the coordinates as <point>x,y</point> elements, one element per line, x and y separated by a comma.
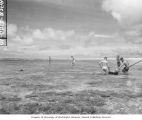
<point>125,65</point>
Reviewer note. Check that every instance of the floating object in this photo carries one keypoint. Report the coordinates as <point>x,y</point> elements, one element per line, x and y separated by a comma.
<point>124,70</point>
<point>21,70</point>
<point>113,73</point>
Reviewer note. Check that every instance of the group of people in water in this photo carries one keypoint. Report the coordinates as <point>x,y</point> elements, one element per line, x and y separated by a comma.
<point>121,63</point>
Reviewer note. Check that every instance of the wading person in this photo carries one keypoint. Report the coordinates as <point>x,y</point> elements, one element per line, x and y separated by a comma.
<point>73,60</point>
<point>125,65</point>
<point>106,68</point>
<point>49,60</point>
<point>104,65</point>
<point>118,62</point>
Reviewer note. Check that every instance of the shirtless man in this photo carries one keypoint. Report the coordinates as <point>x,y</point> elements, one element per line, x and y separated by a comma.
<point>73,60</point>
<point>118,62</point>
<point>104,65</point>
<point>125,65</point>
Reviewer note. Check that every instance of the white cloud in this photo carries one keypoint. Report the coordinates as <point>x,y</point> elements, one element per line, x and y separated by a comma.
<point>126,12</point>
<point>38,34</point>
<point>92,34</point>
<point>28,42</point>
<point>12,30</point>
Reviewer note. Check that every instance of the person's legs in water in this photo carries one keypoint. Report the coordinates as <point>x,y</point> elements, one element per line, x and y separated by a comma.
<point>118,61</point>
<point>105,69</point>
<point>125,70</point>
<point>125,64</point>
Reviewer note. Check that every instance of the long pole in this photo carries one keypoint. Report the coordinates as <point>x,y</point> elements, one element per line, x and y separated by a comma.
<point>135,63</point>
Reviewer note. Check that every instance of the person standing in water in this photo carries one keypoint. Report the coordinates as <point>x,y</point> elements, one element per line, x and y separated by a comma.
<point>118,62</point>
<point>73,60</point>
<point>49,59</point>
<point>104,65</point>
<point>125,65</point>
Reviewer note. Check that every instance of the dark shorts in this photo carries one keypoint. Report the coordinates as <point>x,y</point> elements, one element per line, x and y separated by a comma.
<point>118,64</point>
<point>125,69</point>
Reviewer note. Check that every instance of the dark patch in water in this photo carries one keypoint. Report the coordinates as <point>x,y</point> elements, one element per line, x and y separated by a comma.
<point>94,83</point>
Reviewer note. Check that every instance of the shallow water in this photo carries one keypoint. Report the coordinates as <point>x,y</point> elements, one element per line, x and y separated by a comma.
<point>60,76</point>
<point>84,75</point>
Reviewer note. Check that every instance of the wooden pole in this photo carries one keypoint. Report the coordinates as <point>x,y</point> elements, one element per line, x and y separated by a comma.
<point>135,63</point>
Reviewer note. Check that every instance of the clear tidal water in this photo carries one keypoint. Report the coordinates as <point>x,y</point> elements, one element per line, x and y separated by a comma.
<point>84,75</point>
<point>61,76</point>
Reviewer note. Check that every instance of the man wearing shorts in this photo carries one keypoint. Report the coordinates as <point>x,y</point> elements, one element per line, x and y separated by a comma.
<point>104,65</point>
<point>118,61</point>
<point>125,65</point>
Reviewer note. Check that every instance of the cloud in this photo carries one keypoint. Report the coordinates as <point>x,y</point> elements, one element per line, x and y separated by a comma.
<point>92,34</point>
<point>126,12</point>
<point>38,34</point>
<point>12,30</point>
<point>27,42</point>
<point>133,36</point>
<point>30,41</point>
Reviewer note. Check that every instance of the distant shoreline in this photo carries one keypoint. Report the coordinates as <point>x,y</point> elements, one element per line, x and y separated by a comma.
<point>54,59</point>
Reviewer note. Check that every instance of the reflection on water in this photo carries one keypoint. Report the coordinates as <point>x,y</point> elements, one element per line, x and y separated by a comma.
<point>129,83</point>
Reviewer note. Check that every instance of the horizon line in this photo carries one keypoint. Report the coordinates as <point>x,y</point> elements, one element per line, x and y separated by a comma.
<point>53,58</point>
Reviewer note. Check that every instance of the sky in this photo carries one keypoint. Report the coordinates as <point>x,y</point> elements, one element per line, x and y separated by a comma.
<point>82,28</point>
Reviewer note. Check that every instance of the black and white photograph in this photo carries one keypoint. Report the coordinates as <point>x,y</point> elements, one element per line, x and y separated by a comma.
<point>71,57</point>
